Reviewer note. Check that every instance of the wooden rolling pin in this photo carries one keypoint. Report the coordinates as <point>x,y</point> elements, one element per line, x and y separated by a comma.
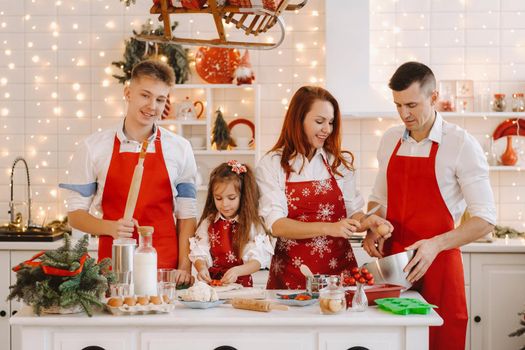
<point>134,188</point>
<point>256,305</point>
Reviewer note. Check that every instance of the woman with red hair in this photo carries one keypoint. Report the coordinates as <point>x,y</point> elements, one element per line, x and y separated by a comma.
<point>309,198</point>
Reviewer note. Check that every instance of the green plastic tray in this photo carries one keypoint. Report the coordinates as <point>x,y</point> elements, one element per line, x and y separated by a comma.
<point>404,306</point>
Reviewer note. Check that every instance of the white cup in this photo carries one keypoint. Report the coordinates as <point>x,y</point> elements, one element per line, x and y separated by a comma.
<point>197,141</point>
<point>243,142</point>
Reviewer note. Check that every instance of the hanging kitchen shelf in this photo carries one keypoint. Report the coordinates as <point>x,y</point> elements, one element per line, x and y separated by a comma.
<point>253,21</point>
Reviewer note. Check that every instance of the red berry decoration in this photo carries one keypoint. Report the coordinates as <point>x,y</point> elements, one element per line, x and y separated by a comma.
<point>216,65</point>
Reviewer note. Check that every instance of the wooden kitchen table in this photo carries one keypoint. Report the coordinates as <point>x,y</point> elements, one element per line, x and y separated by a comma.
<point>225,328</point>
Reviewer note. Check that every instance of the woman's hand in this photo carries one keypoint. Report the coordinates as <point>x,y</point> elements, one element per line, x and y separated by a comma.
<point>122,228</point>
<point>184,278</point>
<point>373,244</point>
<point>204,275</point>
<point>344,228</point>
<point>381,227</point>
<point>230,276</point>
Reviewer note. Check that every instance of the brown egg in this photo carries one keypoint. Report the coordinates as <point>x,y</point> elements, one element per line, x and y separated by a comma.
<point>383,229</point>
<point>335,305</point>
<point>142,300</point>
<point>130,301</point>
<point>165,299</point>
<point>325,305</point>
<point>155,299</point>
<point>115,302</point>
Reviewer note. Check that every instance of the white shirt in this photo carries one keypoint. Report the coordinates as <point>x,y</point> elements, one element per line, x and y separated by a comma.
<point>271,179</point>
<point>462,171</point>
<point>90,163</point>
<point>258,247</point>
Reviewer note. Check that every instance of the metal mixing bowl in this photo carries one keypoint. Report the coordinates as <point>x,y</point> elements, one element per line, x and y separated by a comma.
<point>389,270</point>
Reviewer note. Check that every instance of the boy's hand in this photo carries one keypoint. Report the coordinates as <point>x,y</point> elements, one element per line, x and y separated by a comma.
<point>123,228</point>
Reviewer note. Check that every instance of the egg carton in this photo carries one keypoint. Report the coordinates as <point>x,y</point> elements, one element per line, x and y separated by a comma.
<point>149,309</point>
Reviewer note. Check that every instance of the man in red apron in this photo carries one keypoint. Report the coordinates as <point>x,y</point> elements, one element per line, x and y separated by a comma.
<point>428,169</point>
<point>102,169</point>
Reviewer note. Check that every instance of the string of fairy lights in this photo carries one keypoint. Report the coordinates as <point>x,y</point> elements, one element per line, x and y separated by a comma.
<point>27,81</point>
<point>53,102</point>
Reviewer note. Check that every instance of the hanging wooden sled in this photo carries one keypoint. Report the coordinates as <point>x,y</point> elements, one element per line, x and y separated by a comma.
<point>252,20</point>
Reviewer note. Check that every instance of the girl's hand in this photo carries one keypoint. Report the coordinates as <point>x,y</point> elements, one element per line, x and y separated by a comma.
<point>379,226</point>
<point>183,277</point>
<point>204,275</point>
<point>344,228</point>
<point>230,276</point>
<point>123,228</point>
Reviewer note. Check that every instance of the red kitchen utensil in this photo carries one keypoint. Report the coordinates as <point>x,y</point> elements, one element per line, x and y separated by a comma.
<point>374,292</point>
<point>514,126</point>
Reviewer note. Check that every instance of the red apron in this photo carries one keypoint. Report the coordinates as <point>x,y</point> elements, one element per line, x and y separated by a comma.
<point>154,203</point>
<point>417,210</point>
<point>220,235</point>
<point>311,201</point>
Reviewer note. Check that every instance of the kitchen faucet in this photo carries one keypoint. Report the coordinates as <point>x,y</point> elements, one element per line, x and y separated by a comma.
<point>12,203</point>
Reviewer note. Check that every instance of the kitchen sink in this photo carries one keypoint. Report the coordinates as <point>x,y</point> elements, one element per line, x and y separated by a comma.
<point>35,234</point>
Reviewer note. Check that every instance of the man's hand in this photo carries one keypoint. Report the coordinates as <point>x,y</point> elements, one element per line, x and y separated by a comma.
<point>426,252</point>
<point>373,244</point>
<point>230,276</point>
<point>379,226</point>
<point>344,228</point>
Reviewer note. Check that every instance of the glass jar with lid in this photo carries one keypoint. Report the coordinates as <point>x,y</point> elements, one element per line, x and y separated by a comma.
<point>332,297</point>
<point>498,103</point>
<point>518,102</point>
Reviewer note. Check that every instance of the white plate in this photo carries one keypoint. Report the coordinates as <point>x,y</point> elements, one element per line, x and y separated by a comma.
<point>202,304</point>
<point>518,143</point>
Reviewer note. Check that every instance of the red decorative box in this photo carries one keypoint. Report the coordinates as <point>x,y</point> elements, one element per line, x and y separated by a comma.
<point>375,292</point>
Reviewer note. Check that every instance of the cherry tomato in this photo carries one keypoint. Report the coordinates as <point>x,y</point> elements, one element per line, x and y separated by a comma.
<point>355,270</point>
<point>369,276</point>
<point>361,280</point>
<point>285,297</point>
<point>370,282</point>
<point>351,281</point>
<point>364,271</point>
<point>356,276</point>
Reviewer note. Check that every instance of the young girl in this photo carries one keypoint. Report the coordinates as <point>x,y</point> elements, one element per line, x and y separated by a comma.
<point>231,242</point>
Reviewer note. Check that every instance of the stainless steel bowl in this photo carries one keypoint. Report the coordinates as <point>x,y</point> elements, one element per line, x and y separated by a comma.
<point>390,269</point>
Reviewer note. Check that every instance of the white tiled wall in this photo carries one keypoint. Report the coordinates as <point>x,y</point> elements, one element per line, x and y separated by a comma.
<point>52,92</point>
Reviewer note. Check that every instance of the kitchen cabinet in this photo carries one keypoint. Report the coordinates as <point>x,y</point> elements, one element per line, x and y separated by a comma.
<point>498,294</point>
<point>227,340</point>
<point>5,310</point>
<point>226,328</point>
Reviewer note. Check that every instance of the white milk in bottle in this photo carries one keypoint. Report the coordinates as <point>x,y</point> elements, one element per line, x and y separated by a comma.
<point>145,263</point>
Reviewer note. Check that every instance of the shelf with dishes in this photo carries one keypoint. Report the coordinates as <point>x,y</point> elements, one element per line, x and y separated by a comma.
<point>506,168</point>
<point>395,115</point>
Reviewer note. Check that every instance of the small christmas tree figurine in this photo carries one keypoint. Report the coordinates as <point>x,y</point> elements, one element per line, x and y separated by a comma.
<point>221,133</point>
<point>64,278</point>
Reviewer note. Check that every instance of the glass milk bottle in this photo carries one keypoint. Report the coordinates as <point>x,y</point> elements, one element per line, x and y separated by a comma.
<point>145,263</point>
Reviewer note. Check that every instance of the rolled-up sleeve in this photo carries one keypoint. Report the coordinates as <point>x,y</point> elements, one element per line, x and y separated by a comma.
<point>473,178</point>
<point>379,191</point>
<point>186,191</point>
<point>354,201</point>
<point>258,248</point>
<point>81,183</point>
<point>200,245</point>
<point>270,179</point>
